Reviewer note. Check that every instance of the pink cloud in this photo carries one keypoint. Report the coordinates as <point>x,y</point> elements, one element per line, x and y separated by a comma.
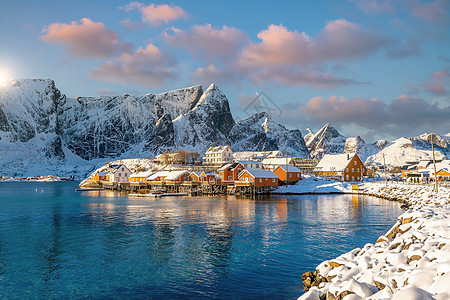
<point>208,42</point>
<point>157,15</point>
<point>130,25</point>
<point>438,82</point>
<point>432,11</point>
<point>213,74</point>
<point>146,66</point>
<point>403,115</point>
<point>86,39</point>
<point>340,39</point>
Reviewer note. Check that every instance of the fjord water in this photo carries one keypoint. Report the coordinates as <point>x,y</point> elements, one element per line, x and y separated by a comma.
<point>58,243</point>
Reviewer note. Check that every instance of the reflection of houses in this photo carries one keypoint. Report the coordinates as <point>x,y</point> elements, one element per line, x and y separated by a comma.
<point>289,173</point>
<point>257,178</point>
<point>218,155</point>
<point>117,173</point>
<point>345,167</point>
<point>273,163</point>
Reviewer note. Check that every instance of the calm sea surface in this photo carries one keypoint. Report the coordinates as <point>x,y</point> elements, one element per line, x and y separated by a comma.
<point>58,243</point>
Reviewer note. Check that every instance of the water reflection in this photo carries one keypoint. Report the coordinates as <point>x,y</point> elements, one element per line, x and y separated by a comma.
<point>102,244</point>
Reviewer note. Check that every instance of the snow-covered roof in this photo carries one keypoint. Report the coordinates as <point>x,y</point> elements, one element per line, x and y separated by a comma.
<point>423,163</point>
<point>217,149</point>
<point>289,168</point>
<point>334,162</point>
<point>174,175</point>
<point>225,167</point>
<point>256,173</point>
<point>249,162</point>
<point>198,173</point>
<point>102,173</point>
<point>142,174</point>
<point>158,174</point>
<point>277,161</point>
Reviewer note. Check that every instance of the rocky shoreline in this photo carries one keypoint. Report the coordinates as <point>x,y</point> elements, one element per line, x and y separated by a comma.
<point>411,261</point>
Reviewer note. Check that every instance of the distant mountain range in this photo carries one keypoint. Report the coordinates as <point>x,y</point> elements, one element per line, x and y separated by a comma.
<point>42,131</point>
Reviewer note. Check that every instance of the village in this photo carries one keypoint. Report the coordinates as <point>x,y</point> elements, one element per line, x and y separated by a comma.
<point>223,171</point>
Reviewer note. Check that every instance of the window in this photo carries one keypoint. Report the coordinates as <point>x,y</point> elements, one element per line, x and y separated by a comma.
<point>357,178</point>
<point>123,169</point>
<point>119,174</point>
<point>229,178</point>
<point>353,178</point>
<point>346,169</point>
<point>347,177</point>
<point>353,169</point>
<point>355,162</point>
<point>273,179</point>
<point>246,179</point>
<point>260,180</point>
<point>357,170</point>
<point>298,175</point>
<point>290,175</point>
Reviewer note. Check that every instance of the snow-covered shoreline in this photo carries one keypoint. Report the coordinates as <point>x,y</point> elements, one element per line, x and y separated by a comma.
<point>411,261</point>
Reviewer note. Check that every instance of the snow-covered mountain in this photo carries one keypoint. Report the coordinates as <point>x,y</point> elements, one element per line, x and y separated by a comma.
<point>358,146</point>
<point>43,131</point>
<point>401,151</point>
<point>326,141</point>
<point>260,133</point>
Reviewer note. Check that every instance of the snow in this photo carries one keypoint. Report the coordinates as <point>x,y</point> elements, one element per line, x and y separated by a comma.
<point>334,162</point>
<point>311,184</point>
<point>402,151</point>
<point>411,261</point>
<point>256,173</point>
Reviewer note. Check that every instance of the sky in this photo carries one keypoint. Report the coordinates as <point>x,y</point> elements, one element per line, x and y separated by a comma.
<point>379,69</point>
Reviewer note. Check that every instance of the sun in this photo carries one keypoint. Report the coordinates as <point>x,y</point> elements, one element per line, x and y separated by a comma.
<point>4,76</point>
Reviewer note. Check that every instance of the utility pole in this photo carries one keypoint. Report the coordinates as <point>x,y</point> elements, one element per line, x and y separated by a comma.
<point>385,174</point>
<point>434,163</point>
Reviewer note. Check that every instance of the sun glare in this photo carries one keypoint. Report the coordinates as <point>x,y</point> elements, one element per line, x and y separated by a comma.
<point>4,77</point>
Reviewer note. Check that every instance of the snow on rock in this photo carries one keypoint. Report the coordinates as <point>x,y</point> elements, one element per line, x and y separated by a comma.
<point>326,141</point>
<point>358,146</point>
<point>260,133</point>
<point>411,261</point>
<point>311,184</point>
<point>401,151</point>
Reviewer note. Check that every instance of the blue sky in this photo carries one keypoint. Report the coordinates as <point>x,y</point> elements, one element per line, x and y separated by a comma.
<point>380,69</point>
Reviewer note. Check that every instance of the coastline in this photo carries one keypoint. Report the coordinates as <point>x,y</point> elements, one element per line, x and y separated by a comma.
<point>411,261</point>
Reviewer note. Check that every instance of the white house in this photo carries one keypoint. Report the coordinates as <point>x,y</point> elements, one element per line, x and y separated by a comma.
<point>251,164</point>
<point>218,155</point>
<point>274,162</point>
<point>118,173</point>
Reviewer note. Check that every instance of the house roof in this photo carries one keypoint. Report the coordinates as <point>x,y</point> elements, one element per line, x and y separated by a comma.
<point>216,149</point>
<point>158,174</point>
<point>197,173</point>
<point>102,173</point>
<point>249,162</point>
<point>334,162</point>
<point>289,168</point>
<point>174,175</point>
<point>114,168</point>
<point>142,174</point>
<point>225,167</point>
<point>424,163</point>
<point>256,173</point>
<point>276,161</point>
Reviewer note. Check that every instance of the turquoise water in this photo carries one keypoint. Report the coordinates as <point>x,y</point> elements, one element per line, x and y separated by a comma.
<point>58,243</point>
